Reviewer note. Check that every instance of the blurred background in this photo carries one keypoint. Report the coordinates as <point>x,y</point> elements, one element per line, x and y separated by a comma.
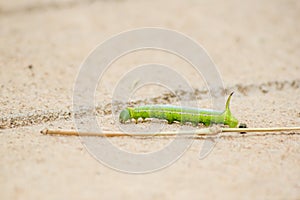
<point>255,45</point>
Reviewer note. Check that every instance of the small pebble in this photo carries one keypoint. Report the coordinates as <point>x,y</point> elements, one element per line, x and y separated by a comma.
<point>243,125</point>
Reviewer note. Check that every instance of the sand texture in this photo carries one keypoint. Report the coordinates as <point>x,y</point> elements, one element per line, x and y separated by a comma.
<point>255,45</point>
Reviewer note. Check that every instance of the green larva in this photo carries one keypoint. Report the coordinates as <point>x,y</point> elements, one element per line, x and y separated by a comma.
<point>181,114</point>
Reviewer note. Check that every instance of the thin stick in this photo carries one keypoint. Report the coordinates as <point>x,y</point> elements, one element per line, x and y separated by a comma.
<point>204,131</point>
<point>201,132</point>
<point>274,129</point>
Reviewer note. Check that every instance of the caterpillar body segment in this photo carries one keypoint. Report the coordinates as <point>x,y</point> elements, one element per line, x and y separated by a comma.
<point>181,114</point>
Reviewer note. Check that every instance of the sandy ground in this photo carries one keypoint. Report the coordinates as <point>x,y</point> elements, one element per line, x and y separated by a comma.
<point>255,44</point>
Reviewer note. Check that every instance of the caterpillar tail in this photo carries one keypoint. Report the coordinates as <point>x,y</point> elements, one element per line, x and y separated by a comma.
<point>229,119</point>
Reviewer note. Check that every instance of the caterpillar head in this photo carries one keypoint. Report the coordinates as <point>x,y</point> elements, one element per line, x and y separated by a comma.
<point>124,115</point>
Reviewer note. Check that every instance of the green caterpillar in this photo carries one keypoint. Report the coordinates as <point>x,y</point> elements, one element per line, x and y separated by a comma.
<point>181,114</point>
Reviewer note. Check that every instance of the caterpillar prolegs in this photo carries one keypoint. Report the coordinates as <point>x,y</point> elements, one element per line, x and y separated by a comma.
<point>181,114</point>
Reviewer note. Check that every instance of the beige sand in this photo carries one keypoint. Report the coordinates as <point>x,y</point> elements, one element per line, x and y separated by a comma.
<point>255,45</point>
